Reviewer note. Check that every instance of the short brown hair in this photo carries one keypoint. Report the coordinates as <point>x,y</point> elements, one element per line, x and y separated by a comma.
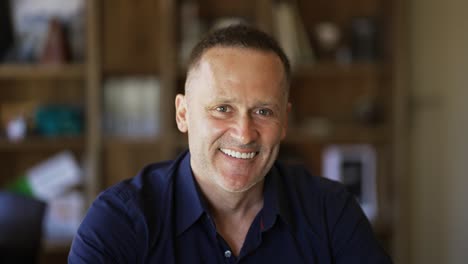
<point>243,36</point>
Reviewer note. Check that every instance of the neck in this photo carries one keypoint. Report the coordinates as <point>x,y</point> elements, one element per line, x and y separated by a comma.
<point>233,212</point>
<point>224,203</point>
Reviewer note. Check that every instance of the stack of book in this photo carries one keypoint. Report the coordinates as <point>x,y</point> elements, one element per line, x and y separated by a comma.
<point>131,107</point>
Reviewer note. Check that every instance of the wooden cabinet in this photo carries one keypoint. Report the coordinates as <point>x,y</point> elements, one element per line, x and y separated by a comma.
<point>346,100</point>
<point>70,84</point>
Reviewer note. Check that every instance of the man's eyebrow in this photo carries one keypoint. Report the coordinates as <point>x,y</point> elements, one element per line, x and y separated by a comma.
<point>212,102</point>
<point>221,100</point>
<point>269,104</point>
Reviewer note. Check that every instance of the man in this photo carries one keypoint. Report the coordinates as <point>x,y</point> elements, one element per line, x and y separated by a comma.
<point>227,200</point>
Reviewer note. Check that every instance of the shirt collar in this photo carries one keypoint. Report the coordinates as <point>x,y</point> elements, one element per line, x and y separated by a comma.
<point>275,201</point>
<point>187,200</point>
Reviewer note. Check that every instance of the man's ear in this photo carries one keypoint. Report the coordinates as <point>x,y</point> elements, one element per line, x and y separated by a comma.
<point>181,113</point>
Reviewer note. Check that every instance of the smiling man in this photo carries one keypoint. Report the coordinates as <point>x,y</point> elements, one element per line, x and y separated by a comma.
<point>227,199</point>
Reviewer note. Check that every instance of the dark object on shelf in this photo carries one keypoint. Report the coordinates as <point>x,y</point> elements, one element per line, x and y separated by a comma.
<point>59,120</point>
<point>364,39</point>
<point>352,177</point>
<point>367,111</point>
<point>6,29</point>
<point>21,220</point>
<point>56,49</point>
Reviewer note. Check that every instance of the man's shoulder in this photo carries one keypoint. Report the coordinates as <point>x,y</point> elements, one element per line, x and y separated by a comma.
<point>315,202</point>
<point>150,183</point>
<point>133,212</point>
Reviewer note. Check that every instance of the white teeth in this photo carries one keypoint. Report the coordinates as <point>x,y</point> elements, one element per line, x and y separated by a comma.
<point>238,155</point>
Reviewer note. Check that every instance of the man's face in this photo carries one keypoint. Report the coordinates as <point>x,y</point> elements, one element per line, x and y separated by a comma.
<point>235,113</point>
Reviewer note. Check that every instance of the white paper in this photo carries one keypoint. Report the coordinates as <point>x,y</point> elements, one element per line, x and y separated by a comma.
<point>54,176</point>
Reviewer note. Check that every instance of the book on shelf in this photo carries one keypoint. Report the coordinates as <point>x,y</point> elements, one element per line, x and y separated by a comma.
<point>291,33</point>
<point>131,106</point>
<point>6,33</point>
<point>191,29</point>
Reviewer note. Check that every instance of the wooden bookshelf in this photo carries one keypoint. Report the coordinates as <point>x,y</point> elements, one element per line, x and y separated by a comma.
<point>41,143</point>
<point>125,38</point>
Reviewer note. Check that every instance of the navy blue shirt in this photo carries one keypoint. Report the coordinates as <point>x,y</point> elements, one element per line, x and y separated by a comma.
<point>160,216</point>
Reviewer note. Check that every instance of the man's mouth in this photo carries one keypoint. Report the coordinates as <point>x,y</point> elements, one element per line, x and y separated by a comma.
<point>238,155</point>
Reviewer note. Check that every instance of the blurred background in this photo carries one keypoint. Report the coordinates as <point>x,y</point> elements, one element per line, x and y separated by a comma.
<point>378,93</point>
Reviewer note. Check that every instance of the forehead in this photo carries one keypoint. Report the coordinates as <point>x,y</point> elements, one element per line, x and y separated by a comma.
<point>237,74</point>
<point>250,64</point>
<point>242,55</point>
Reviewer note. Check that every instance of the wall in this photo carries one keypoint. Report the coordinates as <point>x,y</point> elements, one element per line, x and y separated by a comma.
<point>439,131</point>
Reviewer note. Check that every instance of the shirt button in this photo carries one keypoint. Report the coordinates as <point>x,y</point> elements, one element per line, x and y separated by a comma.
<point>227,253</point>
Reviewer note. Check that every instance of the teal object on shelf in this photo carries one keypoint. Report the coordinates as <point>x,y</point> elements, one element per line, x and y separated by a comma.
<point>59,120</point>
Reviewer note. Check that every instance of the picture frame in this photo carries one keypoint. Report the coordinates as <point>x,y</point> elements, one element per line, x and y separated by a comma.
<point>355,166</point>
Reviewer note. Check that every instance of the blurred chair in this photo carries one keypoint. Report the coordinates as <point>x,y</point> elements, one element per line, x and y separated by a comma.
<point>20,228</point>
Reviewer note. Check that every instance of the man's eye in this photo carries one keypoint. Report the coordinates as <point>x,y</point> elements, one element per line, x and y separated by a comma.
<point>265,112</point>
<point>222,108</point>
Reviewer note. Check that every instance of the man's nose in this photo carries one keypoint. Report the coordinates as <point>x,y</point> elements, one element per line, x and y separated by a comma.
<point>245,131</point>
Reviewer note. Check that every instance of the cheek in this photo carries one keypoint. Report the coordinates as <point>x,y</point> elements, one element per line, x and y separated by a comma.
<point>215,128</point>
<point>201,126</point>
<point>271,131</point>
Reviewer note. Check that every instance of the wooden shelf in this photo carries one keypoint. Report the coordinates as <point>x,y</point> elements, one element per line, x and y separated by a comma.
<point>337,70</point>
<point>37,143</point>
<point>42,72</point>
<point>338,134</point>
<point>132,142</point>
<point>213,8</point>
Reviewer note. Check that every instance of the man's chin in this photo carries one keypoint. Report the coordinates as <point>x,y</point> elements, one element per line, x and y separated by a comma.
<point>233,186</point>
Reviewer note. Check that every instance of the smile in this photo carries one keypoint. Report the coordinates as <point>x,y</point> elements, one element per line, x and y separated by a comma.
<point>238,155</point>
